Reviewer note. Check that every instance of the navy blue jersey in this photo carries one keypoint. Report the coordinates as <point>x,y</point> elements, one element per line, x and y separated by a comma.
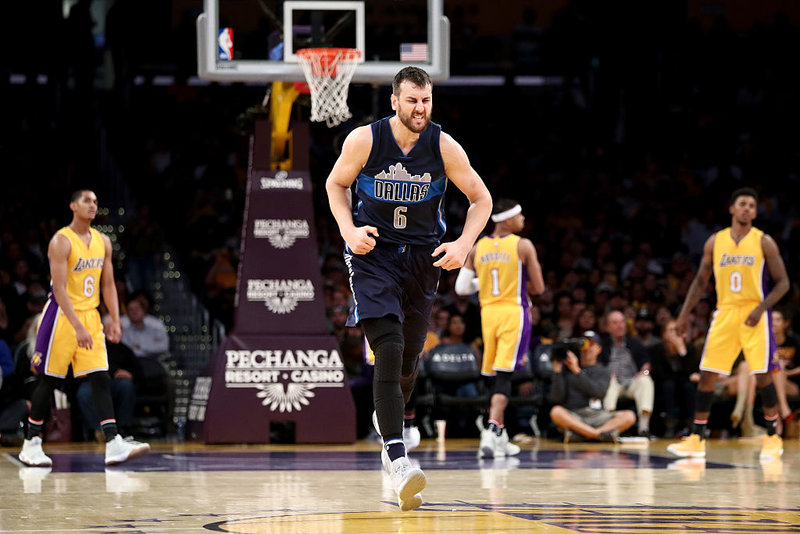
<point>402,195</point>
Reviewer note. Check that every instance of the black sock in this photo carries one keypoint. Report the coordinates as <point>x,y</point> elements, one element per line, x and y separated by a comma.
<point>408,420</point>
<point>700,428</point>
<point>771,430</point>
<point>40,404</point>
<point>109,429</point>
<point>395,449</point>
<point>496,427</point>
<point>101,394</point>
<point>34,428</point>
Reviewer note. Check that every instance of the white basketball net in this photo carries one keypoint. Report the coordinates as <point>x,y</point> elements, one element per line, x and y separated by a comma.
<point>328,73</point>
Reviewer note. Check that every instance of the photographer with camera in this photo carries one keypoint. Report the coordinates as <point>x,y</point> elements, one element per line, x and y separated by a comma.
<point>577,387</point>
<point>629,363</point>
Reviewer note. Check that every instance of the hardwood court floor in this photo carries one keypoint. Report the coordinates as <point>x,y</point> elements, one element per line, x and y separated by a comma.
<point>549,487</point>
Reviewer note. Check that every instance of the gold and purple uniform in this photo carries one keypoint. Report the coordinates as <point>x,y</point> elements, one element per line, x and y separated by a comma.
<point>56,344</point>
<point>503,294</point>
<point>741,278</point>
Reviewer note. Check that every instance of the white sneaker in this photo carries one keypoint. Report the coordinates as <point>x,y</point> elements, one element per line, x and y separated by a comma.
<point>32,454</point>
<point>408,481</point>
<point>487,445</point>
<point>411,437</point>
<point>502,447</point>
<point>119,450</point>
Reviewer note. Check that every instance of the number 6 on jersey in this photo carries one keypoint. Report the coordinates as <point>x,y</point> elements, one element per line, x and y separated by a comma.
<point>400,219</point>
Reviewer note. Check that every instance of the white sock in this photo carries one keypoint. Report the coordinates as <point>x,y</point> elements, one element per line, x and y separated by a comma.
<point>644,422</point>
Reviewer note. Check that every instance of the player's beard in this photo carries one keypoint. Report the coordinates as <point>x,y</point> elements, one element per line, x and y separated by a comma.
<point>744,221</point>
<point>408,122</point>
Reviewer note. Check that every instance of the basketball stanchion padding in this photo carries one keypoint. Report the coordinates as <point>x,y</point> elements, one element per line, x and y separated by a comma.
<point>328,72</point>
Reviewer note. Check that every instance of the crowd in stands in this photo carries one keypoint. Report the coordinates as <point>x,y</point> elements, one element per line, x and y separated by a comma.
<point>623,168</point>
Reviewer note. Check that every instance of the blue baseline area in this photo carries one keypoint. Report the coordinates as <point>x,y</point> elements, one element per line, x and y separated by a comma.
<point>367,460</point>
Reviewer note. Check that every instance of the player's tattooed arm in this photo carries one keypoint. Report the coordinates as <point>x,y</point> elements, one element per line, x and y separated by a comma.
<point>698,286</point>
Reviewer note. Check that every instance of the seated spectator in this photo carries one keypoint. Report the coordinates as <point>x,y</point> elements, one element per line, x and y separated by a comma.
<point>563,317</point>
<point>145,334</point>
<point>645,324</point>
<point>788,377</point>
<point>629,364</point>
<point>22,359</point>
<point>470,312</point>
<point>576,389</point>
<point>337,320</point>
<point>642,262</point>
<point>439,321</point>
<point>676,374</point>
<point>35,299</point>
<point>6,332</point>
<point>454,334</point>
<point>124,369</point>
<point>740,386</point>
<point>587,320</point>
<point>14,407</point>
<point>453,340</point>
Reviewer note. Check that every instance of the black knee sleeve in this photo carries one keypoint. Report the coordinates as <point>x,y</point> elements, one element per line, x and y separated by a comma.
<point>703,400</point>
<point>769,397</point>
<point>408,375</point>
<point>40,400</point>
<point>385,337</point>
<point>101,394</point>
<point>502,384</point>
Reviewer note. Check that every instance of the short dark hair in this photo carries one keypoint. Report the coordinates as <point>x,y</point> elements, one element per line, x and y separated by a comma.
<point>142,297</point>
<point>743,192</point>
<point>785,313</point>
<point>415,75</point>
<point>503,204</point>
<point>77,194</point>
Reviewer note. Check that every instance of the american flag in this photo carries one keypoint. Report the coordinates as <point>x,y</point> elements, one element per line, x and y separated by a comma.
<point>414,52</point>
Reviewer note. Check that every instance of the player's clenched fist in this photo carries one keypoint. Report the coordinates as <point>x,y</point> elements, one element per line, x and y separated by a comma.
<point>360,240</point>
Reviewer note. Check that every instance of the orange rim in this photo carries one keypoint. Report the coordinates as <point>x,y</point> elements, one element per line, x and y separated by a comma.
<point>328,58</point>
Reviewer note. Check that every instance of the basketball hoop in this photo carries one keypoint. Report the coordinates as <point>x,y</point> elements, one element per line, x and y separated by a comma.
<point>328,72</point>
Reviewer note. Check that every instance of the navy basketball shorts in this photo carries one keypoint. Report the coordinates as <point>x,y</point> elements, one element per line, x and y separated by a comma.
<point>398,280</point>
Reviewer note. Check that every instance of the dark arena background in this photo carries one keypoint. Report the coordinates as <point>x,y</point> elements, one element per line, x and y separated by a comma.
<point>621,128</point>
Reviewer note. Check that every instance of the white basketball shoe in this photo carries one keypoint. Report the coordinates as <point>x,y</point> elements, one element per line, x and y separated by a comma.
<point>408,481</point>
<point>120,450</point>
<point>411,437</point>
<point>32,454</point>
<point>486,449</point>
<point>494,446</point>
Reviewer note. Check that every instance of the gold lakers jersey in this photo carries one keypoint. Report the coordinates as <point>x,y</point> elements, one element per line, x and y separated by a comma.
<point>85,265</point>
<point>739,269</point>
<point>501,275</point>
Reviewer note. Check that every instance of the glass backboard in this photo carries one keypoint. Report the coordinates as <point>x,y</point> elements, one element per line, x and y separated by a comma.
<point>248,40</point>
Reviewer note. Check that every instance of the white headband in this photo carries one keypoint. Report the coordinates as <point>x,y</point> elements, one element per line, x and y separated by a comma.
<point>505,215</point>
